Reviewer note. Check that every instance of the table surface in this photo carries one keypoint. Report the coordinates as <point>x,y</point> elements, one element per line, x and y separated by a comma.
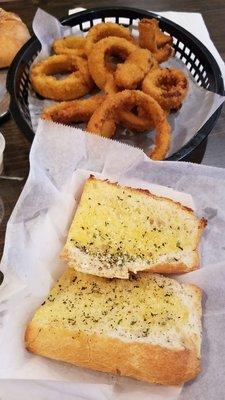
<point>16,157</point>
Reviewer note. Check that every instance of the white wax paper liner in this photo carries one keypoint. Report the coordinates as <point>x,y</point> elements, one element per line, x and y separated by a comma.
<point>60,159</point>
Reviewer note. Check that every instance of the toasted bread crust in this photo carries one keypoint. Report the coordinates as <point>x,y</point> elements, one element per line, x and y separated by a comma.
<point>202,221</point>
<point>142,361</point>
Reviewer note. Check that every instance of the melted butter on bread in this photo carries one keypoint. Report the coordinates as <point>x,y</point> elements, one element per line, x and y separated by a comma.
<point>118,229</point>
<point>147,307</point>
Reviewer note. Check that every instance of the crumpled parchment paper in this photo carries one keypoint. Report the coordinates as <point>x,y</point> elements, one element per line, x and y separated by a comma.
<point>61,158</point>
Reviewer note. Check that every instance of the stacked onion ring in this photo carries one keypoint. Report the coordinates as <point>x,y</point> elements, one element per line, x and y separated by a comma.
<point>135,91</point>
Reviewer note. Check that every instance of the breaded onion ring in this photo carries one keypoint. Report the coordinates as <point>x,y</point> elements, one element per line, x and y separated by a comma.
<point>134,122</point>
<point>152,38</point>
<point>109,128</point>
<point>96,59</point>
<point>167,86</point>
<point>69,112</point>
<point>127,99</point>
<point>161,38</point>
<point>139,122</point>
<point>103,30</point>
<point>163,53</point>
<point>75,85</point>
<point>110,85</point>
<point>129,74</point>
<point>72,45</point>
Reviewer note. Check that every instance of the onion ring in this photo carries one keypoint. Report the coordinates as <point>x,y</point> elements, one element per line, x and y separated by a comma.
<point>126,117</point>
<point>110,85</point>
<point>139,122</point>
<point>73,111</point>
<point>161,38</point>
<point>131,98</point>
<point>109,128</point>
<point>103,30</point>
<point>75,85</point>
<point>134,122</point>
<point>167,86</point>
<point>152,38</point>
<point>72,45</point>
<point>96,59</point>
<point>163,53</point>
<point>129,74</point>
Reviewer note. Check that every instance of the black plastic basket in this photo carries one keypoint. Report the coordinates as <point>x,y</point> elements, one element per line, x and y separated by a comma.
<point>190,50</point>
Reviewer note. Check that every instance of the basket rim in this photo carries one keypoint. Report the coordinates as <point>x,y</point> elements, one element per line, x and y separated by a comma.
<point>185,150</point>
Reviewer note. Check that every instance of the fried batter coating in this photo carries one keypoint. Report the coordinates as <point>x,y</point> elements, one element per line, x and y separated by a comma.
<point>152,38</point>
<point>129,74</point>
<point>72,45</point>
<point>68,112</point>
<point>103,30</point>
<point>130,98</point>
<point>167,86</point>
<point>75,85</point>
<point>96,59</point>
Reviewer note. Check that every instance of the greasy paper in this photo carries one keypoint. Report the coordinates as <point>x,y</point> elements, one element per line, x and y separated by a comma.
<point>61,159</point>
<point>197,108</point>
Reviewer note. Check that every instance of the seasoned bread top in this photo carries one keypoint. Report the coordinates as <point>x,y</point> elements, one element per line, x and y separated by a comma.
<point>117,230</point>
<point>147,308</point>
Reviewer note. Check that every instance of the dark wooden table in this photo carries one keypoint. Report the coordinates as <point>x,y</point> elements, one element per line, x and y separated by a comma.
<point>16,157</point>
